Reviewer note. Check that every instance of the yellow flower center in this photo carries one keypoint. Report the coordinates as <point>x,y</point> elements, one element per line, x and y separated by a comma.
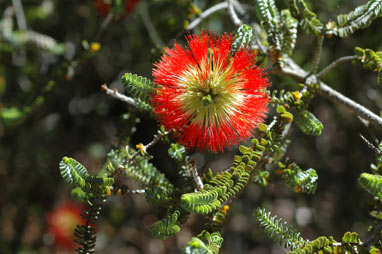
<point>212,92</point>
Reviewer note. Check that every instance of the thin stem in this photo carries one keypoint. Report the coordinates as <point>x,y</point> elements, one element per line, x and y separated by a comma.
<point>20,17</point>
<point>138,191</point>
<point>295,71</point>
<point>104,25</point>
<point>144,148</point>
<point>376,231</point>
<point>114,93</point>
<point>357,108</point>
<point>370,145</point>
<point>143,13</point>
<point>231,12</point>
<point>335,63</point>
<point>196,177</point>
<point>317,53</point>
<point>206,13</point>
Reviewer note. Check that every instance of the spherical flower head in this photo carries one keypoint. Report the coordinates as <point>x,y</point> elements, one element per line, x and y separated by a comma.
<point>212,97</point>
<point>61,223</point>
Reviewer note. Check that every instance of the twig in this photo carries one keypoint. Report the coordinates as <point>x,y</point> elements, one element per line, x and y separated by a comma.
<point>143,148</point>
<point>370,145</point>
<point>231,12</point>
<point>104,24</point>
<point>114,93</point>
<point>136,191</point>
<point>206,13</point>
<point>295,71</point>
<point>360,110</point>
<point>375,233</point>
<point>143,13</point>
<point>195,175</point>
<point>317,53</point>
<point>20,17</point>
<point>335,63</point>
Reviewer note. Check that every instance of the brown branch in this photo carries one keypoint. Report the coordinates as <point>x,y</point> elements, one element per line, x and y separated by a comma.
<point>114,93</point>
<point>335,63</point>
<point>317,53</point>
<point>206,13</point>
<point>296,72</point>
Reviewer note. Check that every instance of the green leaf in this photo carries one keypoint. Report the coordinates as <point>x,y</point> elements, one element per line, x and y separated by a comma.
<point>370,60</point>
<point>242,38</point>
<point>140,88</point>
<point>371,183</point>
<point>269,16</point>
<point>205,243</point>
<point>308,123</point>
<point>166,227</point>
<point>278,230</point>
<point>73,172</point>
<point>289,30</point>
<point>308,18</point>
<point>177,151</point>
<point>361,17</point>
<point>196,246</point>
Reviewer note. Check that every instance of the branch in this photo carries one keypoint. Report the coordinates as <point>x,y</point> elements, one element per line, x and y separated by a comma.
<point>195,175</point>
<point>231,12</point>
<point>371,145</point>
<point>376,231</point>
<point>143,13</point>
<point>114,93</point>
<point>335,63</point>
<point>206,13</point>
<point>293,70</point>
<point>20,17</point>
<point>137,191</point>
<point>337,97</point>
<point>143,148</point>
<point>317,53</point>
<point>104,24</point>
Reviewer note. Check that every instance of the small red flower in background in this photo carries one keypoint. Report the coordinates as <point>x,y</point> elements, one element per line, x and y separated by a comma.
<point>61,223</point>
<point>211,98</point>
<point>103,8</point>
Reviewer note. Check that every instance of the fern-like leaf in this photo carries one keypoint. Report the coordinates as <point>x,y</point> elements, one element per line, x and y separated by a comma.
<point>370,60</point>
<point>308,18</point>
<point>86,234</point>
<point>371,183</point>
<point>196,246</point>
<point>167,226</point>
<point>299,180</point>
<point>205,243</point>
<point>289,30</point>
<point>204,201</point>
<point>269,16</point>
<point>278,231</point>
<point>361,17</point>
<point>158,196</point>
<point>140,88</point>
<point>319,245</point>
<point>242,38</point>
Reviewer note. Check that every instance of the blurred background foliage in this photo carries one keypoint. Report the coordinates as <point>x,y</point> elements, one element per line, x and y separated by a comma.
<point>51,105</point>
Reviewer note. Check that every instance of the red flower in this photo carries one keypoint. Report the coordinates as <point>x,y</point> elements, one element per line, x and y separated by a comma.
<point>103,8</point>
<point>61,223</point>
<point>212,98</point>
